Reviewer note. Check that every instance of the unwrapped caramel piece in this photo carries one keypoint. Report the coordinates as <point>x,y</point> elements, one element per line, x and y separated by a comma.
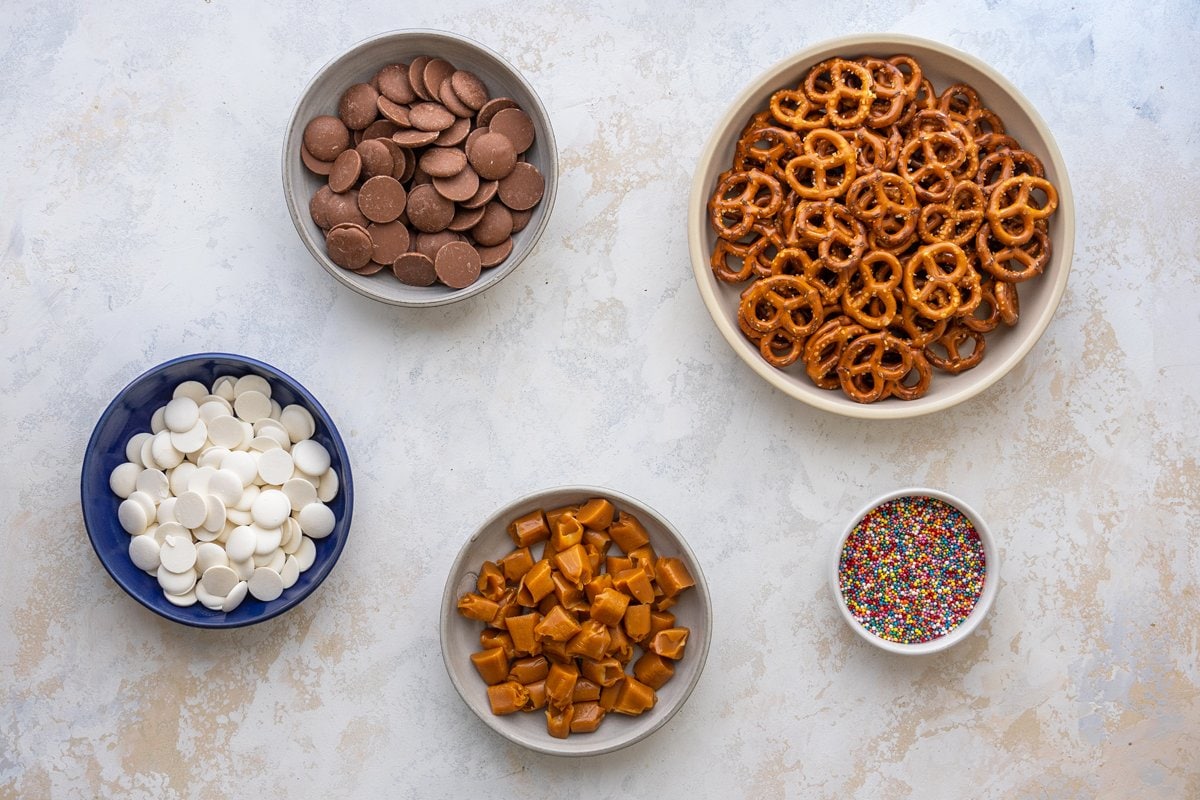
<point>477,607</point>
<point>653,670</point>
<point>673,576</point>
<point>605,671</point>
<point>507,697</point>
<point>634,697</point>
<point>592,641</point>
<point>492,665</point>
<point>529,529</point>
<point>516,564</point>
<point>628,533</point>
<point>560,684</point>
<point>557,626</point>
<point>637,622</point>
<point>529,669</point>
<point>558,721</point>
<point>609,606</point>
<point>587,717</point>
<point>596,513</point>
<point>521,629</point>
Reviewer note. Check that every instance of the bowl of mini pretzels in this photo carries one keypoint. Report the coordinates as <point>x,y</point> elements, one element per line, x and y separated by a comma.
<point>881,226</point>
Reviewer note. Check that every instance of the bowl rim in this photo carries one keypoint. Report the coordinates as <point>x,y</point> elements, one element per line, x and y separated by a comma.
<point>289,189</point>
<point>833,401</point>
<point>346,486</point>
<point>983,605</point>
<point>500,515</point>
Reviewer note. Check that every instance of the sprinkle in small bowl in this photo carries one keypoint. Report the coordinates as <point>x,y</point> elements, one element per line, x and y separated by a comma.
<point>915,571</point>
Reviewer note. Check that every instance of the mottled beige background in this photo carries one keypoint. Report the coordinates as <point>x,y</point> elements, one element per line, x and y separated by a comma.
<point>141,218</point>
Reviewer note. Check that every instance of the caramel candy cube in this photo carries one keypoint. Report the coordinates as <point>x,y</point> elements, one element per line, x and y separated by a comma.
<point>560,684</point>
<point>664,602</point>
<point>530,669</point>
<point>619,646</point>
<point>537,695</point>
<point>596,585</point>
<point>669,643</point>
<point>490,582</point>
<point>585,690</point>
<point>506,607</point>
<point>608,695</point>
<point>597,539</point>
<point>516,564</point>
<point>588,717</point>
<point>557,626</point>
<point>568,594</point>
<point>507,697</point>
<point>628,533</point>
<point>604,672</point>
<point>491,638</point>
<point>596,513</point>
<point>595,558</point>
<point>635,582</point>
<point>653,670</point>
<point>615,564</point>
<point>644,557</point>
<point>558,721</point>
<point>477,607</point>
<point>535,584</point>
<point>591,642</point>
<point>673,576</point>
<point>637,622</point>
<point>553,515</point>
<point>567,532</point>
<point>529,529</point>
<point>661,620</point>
<point>557,652</point>
<point>609,606</point>
<point>634,697</point>
<point>521,629</point>
<point>491,664</point>
<point>574,565</point>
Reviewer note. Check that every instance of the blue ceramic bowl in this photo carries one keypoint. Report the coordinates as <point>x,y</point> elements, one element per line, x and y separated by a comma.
<point>129,413</point>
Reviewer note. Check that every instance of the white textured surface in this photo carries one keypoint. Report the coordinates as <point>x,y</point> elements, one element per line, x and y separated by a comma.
<point>141,218</point>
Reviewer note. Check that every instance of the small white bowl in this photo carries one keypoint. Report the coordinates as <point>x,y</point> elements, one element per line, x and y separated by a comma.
<point>460,636</point>
<point>990,582</point>
<point>943,65</point>
<point>359,64</point>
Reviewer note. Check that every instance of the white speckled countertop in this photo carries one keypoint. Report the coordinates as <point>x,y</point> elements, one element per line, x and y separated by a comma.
<point>142,218</point>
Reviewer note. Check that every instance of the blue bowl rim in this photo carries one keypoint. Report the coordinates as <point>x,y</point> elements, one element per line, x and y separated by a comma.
<point>346,486</point>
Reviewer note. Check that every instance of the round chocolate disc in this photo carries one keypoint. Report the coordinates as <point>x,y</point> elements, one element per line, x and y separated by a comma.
<point>314,164</point>
<point>494,255</point>
<point>457,265</point>
<point>523,188</point>
<point>428,211</point>
<point>521,219</point>
<point>349,246</point>
<point>495,227</point>
<point>492,155</point>
<point>343,208</point>
<point>381,199</point>
<point>429,243</point>
<point>380,129</point>
<point>326,137</point>
<point>414,269</point>
<point>462,186</point>
<point>394,85</point>
<point>491,108</point>
<point>376,158</point>
<point>416,76</point>
<point>465,218</point>
<point>437,71</point>
<point>345,171</point>
<point>469,88</point>
<point>394,112</point>
<point>357,107</point>
<point>414,138</point>
<point>318,207</point>
<point>485,192</point>
<point>450,100</point>
<point>430,117</point>
<point>455,135</point>
<point>389,241</point>
<point>443,162</point>
<point>516,126</point>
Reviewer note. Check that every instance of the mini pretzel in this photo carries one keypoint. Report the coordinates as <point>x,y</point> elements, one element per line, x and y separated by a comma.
<point>954,360</point>
<point>814,175</point>
<point>792,108</point>
<point>1013,264</point>
<point>891,95</point>
<point>829,283</point>
<point>997,167</point>
<point>931,279</point>
<point>912,328</point>
<point>839,237</point>
<point>845,88</point>
<point>767,149</point>
<point>786,302</point>
<point>870,298</point>
<point>887,203</point>
<point>958,219</point>
<point>824,349</point>
<point>1013,210</point>
<point>961,102</point>
<point>871,365</point>
<point>739,202</point>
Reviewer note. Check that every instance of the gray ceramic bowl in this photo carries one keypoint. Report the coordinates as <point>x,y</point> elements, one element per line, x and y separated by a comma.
<point>359,64</point>
<point>943,65</point>
<point>460,636</point>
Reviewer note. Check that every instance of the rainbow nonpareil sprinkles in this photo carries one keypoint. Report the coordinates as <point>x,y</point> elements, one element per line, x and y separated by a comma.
<point>912,569</point>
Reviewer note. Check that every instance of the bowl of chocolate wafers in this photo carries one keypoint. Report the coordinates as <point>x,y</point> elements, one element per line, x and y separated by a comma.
<point>419,168</point>
<point>881,226</point>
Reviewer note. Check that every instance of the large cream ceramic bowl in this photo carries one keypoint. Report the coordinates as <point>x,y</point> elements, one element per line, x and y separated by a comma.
<point>943,65</point>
